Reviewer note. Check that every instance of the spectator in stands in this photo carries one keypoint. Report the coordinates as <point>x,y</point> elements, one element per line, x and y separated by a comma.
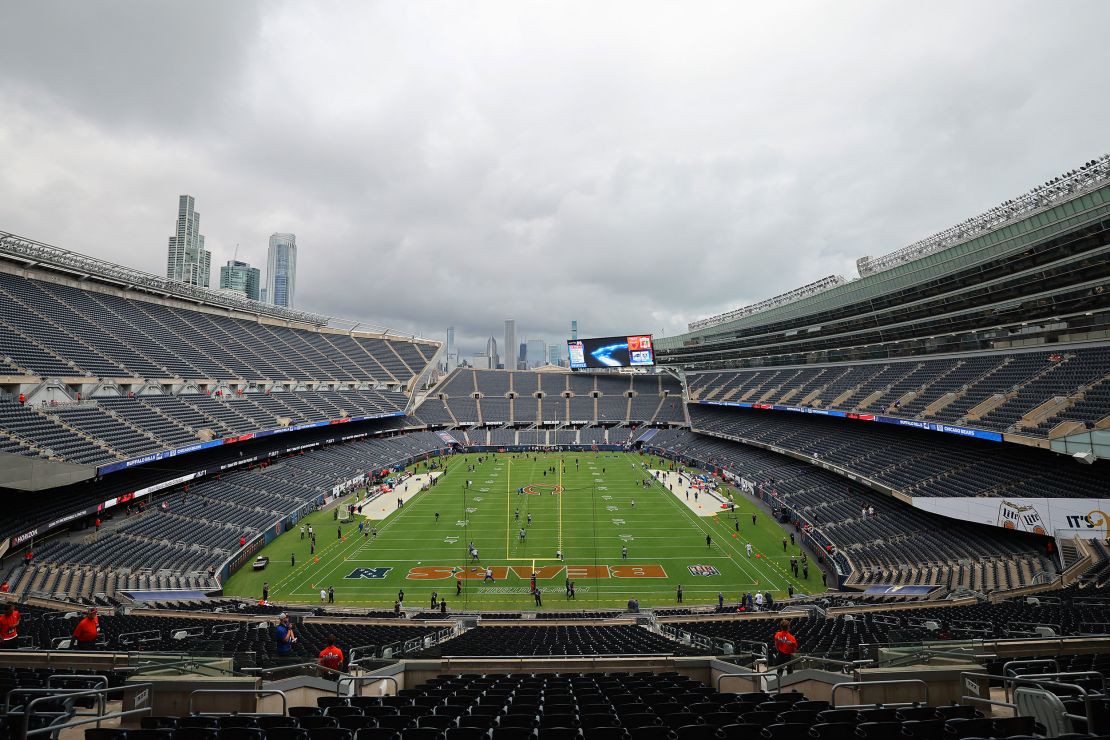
<point>283,637</point>
<point>86,631</point>
<point>9,621</point>
<point>331,657</point>
<point>785,645</point>
<point>22,398</point>
<point>5,587</point>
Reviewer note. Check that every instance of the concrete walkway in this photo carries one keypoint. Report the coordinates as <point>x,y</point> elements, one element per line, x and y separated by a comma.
<point>706,503</point>
<point>385,504</point>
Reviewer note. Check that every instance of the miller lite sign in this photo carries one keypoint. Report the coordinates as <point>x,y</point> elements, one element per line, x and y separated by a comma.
<point>1020,517</point>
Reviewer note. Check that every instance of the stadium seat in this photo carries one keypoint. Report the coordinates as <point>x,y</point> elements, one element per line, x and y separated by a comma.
<point>286,733</point>
<point>834,730</point>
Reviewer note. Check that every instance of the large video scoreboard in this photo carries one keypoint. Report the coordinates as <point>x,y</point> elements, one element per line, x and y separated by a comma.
<point>603,352</point>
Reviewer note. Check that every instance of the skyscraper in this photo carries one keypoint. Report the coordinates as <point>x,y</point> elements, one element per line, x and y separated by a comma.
<point>188,261</point>
<point>510,344</point>
<point>241,277</point>
<point>574,329</point>
<point>491,352</point>
<point>452,360</point>
<point>537,352</point>
<point>555,354</point>
<point>281,270</point>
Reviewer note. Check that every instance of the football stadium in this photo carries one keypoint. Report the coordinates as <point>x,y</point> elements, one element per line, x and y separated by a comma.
<point>875,504</point>
<point>909,466</point>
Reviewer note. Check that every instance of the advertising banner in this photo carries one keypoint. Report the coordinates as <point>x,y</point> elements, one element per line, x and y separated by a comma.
<point>1059,517</point>
<point>926,425</point>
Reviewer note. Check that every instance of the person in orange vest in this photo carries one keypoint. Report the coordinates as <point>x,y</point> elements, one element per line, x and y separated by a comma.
<point>785,645</point>
<point>9,621</point>
<point>331,656</point>
<point>87,630</point>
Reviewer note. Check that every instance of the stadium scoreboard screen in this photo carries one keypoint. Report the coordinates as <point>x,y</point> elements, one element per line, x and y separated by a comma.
<point>603,352</point>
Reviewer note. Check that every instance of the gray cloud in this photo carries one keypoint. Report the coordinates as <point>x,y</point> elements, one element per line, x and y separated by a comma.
<point>632,166</point>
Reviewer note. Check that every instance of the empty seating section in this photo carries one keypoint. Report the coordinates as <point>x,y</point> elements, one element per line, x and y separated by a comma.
<point>186,533</point>
<point>623,639</point>
<point>591,706</point>
<point>1063,612</point>
<point>511,397</point>
<point>53,330</point>
<point>101,430</point>
<point>45,435</point>
<point>896,545</point>
<point>234,635</point>
<point>1021,392</point>
<point>916,462</point>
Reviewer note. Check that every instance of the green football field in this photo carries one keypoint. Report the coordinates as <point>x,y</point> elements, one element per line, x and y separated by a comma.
<point>590,521</point>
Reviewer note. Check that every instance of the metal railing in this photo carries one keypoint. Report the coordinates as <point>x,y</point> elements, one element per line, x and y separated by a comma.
<point>760,676</point>
<point>861,684</point>
<point>71,718</point>
<point>1010,684</point>
<point>309,668</point>
<point>253,692</point>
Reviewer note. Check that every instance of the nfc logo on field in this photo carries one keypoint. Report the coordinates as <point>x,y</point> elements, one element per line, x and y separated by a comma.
<point>372,573</point>
<point>703,570</point>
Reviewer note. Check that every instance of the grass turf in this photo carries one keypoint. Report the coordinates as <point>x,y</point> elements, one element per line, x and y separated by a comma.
<point>589,521</point>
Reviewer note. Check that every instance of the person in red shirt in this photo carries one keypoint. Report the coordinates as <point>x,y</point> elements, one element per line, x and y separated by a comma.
<point>9,621</point>
<point>242,541</point>
<point>87,630</point>
<point>785,645</point>
<point>5,587</point>
<point>331,656</point>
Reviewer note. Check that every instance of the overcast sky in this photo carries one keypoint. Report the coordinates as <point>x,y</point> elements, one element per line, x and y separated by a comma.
<point>629,165</point>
